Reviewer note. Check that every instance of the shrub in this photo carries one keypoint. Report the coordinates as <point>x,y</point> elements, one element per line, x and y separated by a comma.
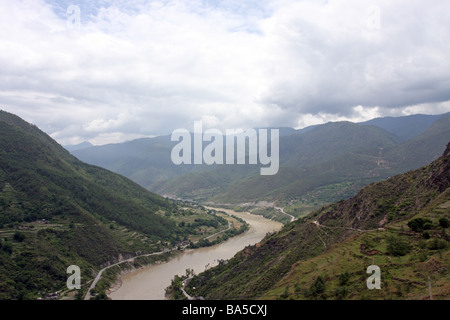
<point>343,278</point>
<point>443,222</point>
<point>341,292</point>
<point>317,287</point>
<point>437,244</point>
<point>19,236</point>
<point>419,224</point>
<point>7,247</point>
<point>397,246</point>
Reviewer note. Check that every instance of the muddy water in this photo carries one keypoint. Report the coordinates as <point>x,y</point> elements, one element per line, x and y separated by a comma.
<point>150,282</point>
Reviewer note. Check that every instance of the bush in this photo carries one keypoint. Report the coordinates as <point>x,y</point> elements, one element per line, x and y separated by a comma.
<point>19,236</point>
<point>437,244</point>
<point>420,224</point>
<point>341,292</point>
<point>317,287</point>
<point>7,247</point>
<point>443,222</point>
<point>343,278</point>
<point>397,246</point>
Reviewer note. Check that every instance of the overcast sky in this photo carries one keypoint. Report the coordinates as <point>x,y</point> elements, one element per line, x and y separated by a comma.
<point>109,71</point>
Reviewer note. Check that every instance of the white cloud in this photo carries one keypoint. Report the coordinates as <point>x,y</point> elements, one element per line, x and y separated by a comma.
<point>140,68</point>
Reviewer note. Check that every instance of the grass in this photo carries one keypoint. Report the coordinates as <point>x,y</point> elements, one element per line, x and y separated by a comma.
<point>403,277</point>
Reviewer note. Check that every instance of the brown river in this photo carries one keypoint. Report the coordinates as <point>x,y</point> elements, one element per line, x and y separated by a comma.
<point>149,283</point>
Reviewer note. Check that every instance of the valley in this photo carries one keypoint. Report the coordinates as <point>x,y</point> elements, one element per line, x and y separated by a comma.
<point>56,211</point>
<point>151,282</point>
<point>224,151</point>
<point>318,165</point>
<point>294,235</point>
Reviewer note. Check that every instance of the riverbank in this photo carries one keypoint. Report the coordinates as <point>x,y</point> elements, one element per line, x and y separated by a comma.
<point>110,276</point>
<point>150,282</point>
<point>118,282</point>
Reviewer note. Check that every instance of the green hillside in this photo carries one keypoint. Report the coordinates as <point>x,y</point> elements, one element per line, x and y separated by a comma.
<point>399,224</point>
<point>56,211</point>
<point>44,173</point>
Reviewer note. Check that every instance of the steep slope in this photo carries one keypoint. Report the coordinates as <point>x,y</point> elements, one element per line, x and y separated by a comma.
<point>326,254</point>
<point>54,175</point>
<point>56,211</point>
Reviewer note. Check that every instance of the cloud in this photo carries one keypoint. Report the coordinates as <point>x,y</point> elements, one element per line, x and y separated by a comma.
<point>334,62</point>
<point>142,68</point>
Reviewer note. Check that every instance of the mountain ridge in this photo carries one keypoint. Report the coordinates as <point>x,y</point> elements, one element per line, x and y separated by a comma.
<point>374,150</point>
<point>334,153</point>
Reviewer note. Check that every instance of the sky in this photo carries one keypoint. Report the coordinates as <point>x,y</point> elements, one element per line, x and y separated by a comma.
<point>109,71</point>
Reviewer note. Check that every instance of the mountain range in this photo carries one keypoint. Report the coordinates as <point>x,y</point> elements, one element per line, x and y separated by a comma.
<point>57,211</point>
<point>314,162</point>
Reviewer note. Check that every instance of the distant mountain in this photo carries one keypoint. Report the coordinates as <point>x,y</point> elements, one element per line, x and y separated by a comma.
<point>399,225</point>
<point>405,127</point>
<point>340,156</point>
<point>314,161</point>
<point>145,161</point>
<point>80,146</point>
<point>283,131</point>
<point>325,142</point>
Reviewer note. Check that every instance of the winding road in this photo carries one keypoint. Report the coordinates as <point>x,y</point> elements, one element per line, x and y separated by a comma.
<point>99,275</point>
<point>215,234</point>
<point>282,211</point>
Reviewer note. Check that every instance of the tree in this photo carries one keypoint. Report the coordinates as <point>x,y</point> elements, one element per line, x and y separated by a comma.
<point>318,287</point>
<point>419,224</point>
